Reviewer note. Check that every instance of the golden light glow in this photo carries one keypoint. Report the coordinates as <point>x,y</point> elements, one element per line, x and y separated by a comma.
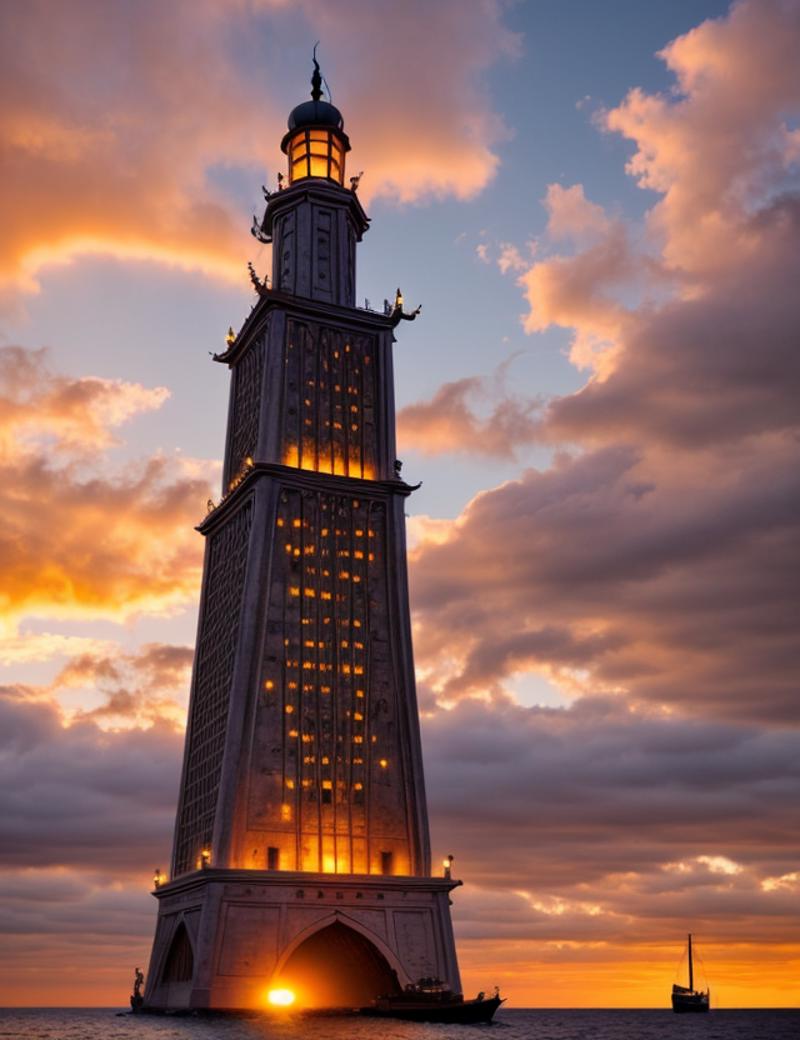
<point>281,997</point>
<point>338,466</point>
<point>316,153</point>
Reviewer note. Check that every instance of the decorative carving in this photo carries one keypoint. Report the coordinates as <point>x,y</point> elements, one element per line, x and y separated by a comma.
<point>258,284</point>
<point>397,314</point>
<point>137,998</point>
<point>257,229</point>
<point>208,712</point>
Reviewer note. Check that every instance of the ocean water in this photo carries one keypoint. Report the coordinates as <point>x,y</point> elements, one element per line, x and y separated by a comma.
<point>511,1024</point>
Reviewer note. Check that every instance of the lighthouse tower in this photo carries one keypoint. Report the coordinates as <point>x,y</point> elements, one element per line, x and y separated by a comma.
<point>301,856</point>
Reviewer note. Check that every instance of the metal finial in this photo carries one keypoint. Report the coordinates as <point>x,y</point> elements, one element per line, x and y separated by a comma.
<point>316,78</point>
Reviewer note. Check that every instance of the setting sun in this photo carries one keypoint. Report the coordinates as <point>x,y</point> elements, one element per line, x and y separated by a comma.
<point>281,997</point>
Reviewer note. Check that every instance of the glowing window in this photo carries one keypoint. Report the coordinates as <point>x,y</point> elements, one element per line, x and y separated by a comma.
<point>316,153</point>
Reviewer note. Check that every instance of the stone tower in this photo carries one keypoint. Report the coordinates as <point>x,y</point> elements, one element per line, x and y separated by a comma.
<point>301,854</point>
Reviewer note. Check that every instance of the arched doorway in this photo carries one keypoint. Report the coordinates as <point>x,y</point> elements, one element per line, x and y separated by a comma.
<point>338,967</point>
<point>179,965</point>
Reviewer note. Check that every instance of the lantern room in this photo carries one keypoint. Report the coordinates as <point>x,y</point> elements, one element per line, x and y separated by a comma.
<point>316,142</point>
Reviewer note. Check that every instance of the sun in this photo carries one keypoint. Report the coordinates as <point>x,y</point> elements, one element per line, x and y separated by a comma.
<point>281,997</point>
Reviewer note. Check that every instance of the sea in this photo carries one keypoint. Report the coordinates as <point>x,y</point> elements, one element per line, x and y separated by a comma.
<point>511,1024</point>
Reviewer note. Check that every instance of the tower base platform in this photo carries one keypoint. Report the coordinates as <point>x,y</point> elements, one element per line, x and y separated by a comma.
<point>226,938</point>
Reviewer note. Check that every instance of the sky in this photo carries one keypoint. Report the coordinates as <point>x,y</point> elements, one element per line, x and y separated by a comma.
<point>597,205</point>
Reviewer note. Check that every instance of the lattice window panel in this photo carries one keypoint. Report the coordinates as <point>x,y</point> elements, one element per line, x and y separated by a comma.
<point>328,684</point>
<point>216,651</point>
<point>330,391</point>
<point>246,410</point>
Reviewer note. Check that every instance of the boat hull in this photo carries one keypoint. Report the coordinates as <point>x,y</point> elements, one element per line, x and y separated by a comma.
<point>689,1003</point>
<point>453,1012</point>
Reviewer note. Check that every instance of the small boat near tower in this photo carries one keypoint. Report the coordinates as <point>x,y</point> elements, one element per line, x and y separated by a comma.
<point>687,998</point>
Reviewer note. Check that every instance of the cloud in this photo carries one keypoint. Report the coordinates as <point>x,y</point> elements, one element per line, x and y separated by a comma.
<point>572,216</point>
<point>723,143</point>
<point>87,815</point>
<point>511,259</point>
<point>646,574</point>
<point>408,157</point>
<point>133,689</point>
<point>715,366</point>
<point>77,541</point>
<point>40,406</point>
<point>449,421</point>
<point>129,150</point>
<point>590,808</point>
<point>654,559</point>
<point>610,571</point>
<point>83,797</point>
<point>716,359</point>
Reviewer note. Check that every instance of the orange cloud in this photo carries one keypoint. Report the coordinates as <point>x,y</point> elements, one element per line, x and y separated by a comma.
<point>448,421</point>
<point>75,541</point>
<point>572,216</point>
<point>118,149</point>
<point>642,567</point>
<point>121,690</point>
<point>723,143</point>
<point>38,406</point>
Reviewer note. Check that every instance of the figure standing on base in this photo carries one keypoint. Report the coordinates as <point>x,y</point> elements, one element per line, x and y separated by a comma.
<point>137,1000</point>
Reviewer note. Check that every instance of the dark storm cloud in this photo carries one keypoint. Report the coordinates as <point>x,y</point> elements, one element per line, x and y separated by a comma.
<point>607,822</point>
<point>81,797</point>
<point>710,369</point>
<point>674,583</point>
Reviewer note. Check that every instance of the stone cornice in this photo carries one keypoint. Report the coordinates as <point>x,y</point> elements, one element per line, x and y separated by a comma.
<point>304,308</point>
<point>298,879</point>
<point>306,479</point>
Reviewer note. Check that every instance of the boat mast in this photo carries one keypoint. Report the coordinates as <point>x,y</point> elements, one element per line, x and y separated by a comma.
<point>691,972</point>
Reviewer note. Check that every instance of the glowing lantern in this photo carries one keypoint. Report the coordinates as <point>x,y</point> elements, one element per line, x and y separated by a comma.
<point>317,152</point>
<point>316,142</point>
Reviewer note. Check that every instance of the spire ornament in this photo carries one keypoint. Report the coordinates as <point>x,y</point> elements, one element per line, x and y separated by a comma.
<point>316,77</point>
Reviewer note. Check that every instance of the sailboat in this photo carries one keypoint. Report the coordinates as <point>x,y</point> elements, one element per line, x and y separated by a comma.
<point>687,998</point>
